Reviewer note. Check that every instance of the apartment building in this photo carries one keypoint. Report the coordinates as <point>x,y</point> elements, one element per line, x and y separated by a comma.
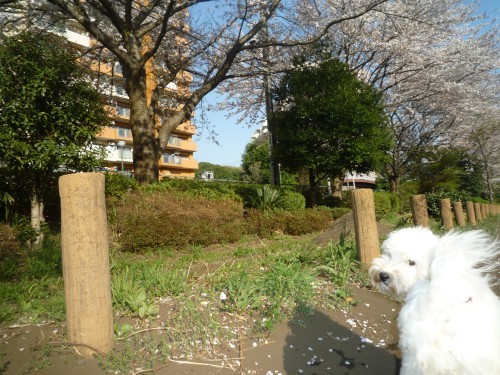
<point>178,159</point>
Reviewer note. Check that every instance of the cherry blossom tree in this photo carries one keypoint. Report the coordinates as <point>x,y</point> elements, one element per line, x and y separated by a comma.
<point>435,61</point>
<point>436,64</point>
<point>215,43</point>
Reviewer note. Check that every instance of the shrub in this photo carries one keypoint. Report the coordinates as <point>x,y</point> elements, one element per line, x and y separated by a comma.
<point>347,199</point>
<point>296,222</point>
<point>396,203</point>
<point>197,188</point>
<point>405,191</point>
<point>339,212</point>
<point>433,201</point>
<point>145,221</point>
<point>245,192</point>
<point>330,201</point>
<point>46,260</point>
<point>292,200</point>
<point>8,242</point>
<point>266,197</point>
<point>117,184</point>
<point>383,204</point>
<point>25,233</point>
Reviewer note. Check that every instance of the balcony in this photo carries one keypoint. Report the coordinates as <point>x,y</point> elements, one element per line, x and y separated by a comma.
<point>177,143</point>
<point>114,154</point>
<point>118,112</point>
<point>78,38</point>
<point>177,162</point>
<point>120,92</point>
<point>115,133</point>
<point>186,128</point>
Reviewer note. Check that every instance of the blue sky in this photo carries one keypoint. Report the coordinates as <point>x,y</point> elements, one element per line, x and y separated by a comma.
<point>232,137</point>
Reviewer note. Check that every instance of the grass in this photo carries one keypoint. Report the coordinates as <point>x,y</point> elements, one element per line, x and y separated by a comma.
<point>176,305</point>
<point>31,285</point>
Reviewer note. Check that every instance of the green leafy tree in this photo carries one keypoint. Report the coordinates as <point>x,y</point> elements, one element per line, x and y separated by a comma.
<point>222,172</point>
<point>49,114</point>
<point>441,169</point>
<point>256,162</point>
<point>328,122</point>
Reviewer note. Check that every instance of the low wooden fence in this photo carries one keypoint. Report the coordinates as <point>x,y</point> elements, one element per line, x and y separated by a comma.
<point>86,255</point>
<point>452,214</point>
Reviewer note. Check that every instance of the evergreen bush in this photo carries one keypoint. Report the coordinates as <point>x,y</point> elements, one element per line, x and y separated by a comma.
<point>117,184</point>
<point>383,204</point>
<point>295,222</point>
<point>149,221</point>
<point>433,200</point>
<point>292,200</point>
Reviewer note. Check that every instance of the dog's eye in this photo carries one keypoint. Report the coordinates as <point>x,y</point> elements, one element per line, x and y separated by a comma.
<point>411,262</point>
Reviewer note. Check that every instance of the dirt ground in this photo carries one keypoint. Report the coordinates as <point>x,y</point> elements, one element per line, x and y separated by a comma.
<point>361,341</point>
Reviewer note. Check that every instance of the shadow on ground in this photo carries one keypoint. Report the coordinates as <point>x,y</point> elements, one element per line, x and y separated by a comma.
<point>325,347</point>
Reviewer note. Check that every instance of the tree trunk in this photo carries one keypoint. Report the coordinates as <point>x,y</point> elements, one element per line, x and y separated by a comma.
<point>143,129</point>
<point>394,181</point>
<point>489,186</point>
<point>37,217</point>
<point>336,184</point>
<point>312,190</point>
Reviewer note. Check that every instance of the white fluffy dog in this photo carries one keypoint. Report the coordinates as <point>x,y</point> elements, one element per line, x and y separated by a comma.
<point>449,323</point>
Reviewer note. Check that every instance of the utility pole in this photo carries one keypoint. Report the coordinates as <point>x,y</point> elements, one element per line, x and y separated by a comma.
<point>275,173</point>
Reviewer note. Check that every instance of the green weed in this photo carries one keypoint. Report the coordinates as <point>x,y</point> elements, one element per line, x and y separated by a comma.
<point>243,291</point>
<point>37,300</point>
<point>120,361</point>
<point>339,262</point>
<point>266,198</point>
<point>121,330</point>
<point>286,286</point>
<point>131,297</point>
<point>47,260</point>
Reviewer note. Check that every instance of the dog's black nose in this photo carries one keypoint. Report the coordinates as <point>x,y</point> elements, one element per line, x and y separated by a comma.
<point>384,276</point>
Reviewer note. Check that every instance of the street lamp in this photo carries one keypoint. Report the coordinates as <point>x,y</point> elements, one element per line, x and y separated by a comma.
<point>121,144</point>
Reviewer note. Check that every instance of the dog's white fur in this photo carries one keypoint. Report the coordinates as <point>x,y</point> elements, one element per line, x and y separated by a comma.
<point>450,319</point>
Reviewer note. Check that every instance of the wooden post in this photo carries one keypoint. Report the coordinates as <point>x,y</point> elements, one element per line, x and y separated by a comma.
<point>471,216</point>
<point>365,225</point>
<point>484,215</point>
<point>459,213</point>
<point>419,210</point>
<point>477,211</point>
<point>446,215</point>
<point>87,286</point>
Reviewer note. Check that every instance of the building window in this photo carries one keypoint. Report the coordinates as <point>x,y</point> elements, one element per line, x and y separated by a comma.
<point>120,91</point>
<point>174,141</point>
<point>123,132</point>
<point>171,159</point>
<point>122,111</point>
<point>118,68</point>
<point>126,151</point>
